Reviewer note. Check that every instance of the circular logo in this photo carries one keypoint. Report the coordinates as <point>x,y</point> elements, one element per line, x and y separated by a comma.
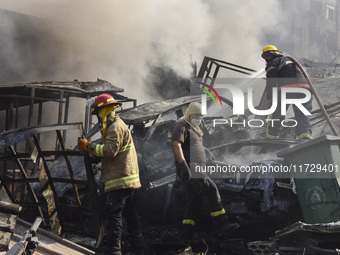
<point>315,197</point>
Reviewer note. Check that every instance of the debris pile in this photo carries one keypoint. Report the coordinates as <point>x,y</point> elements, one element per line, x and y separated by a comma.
<point>266,206</point>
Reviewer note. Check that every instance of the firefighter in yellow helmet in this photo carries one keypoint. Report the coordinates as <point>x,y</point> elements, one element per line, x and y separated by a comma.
<point>187,143</point>
<point>271,49</point>
<point>281,72</point>
<point>120,176</point>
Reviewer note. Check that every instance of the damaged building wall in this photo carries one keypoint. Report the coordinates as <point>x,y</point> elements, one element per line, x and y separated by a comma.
<point>313,29</point>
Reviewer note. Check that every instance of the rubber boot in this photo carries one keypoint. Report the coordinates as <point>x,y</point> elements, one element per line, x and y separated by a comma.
<point>138,243</point>
<point>223,226</point>
<point>110,245</point>
<point>188,232</point>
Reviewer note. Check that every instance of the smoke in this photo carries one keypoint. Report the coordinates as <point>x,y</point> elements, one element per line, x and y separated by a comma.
<point>123,41</point>
<point>241,28</point>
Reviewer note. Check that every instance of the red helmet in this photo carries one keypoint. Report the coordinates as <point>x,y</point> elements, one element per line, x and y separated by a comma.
<point>102,101</point>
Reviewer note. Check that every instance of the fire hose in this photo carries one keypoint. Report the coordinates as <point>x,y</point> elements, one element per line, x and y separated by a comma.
<point>328,119</point>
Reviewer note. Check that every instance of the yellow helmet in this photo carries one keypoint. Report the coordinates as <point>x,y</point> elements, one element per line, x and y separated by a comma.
<point>270,48</point>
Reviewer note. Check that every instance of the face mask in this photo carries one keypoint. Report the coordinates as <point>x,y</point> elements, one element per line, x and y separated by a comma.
<point>196,122</point>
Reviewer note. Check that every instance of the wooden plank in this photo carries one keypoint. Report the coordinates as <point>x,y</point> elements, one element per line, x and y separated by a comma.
<point>7,225</point>
<point>7,207</point>
<point>7,221</point>
<point>5,238</point>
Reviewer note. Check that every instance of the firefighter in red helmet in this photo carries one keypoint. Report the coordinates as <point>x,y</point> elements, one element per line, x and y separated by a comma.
<point>120,176</point>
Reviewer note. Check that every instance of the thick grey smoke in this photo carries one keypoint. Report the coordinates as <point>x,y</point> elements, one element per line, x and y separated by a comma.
<point>121,41</point>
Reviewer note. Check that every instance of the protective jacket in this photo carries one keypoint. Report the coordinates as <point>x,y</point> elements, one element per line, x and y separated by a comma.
<point>282,72</point>
<point>119,158</point>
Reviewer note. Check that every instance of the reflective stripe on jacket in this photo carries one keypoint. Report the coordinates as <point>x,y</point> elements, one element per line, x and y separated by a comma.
<point>282,72</point>
<point>119,158</point>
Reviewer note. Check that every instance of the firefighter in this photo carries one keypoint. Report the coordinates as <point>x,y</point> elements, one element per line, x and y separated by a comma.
<point>120,175</point>
<point>282,72</point>
<point>187,143</point>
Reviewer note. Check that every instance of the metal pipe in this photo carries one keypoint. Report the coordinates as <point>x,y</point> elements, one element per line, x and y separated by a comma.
<point>328,119</point>
<point>87,127</point>
<point>30,109</point>
<point>66,111</point>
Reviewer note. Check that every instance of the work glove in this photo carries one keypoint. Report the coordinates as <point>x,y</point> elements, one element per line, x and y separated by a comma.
<point>82,143</point>
<point>184,172</point>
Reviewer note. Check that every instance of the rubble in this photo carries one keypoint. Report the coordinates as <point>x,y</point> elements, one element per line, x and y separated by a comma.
<point>59,184</point>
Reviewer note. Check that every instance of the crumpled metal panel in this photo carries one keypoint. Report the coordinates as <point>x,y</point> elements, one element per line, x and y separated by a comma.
<point>43,90</point>
<point>76,86</point>
<point>58,168</point>
<point>150,111</point>
<point>301,227</point>
<point>15,136</point>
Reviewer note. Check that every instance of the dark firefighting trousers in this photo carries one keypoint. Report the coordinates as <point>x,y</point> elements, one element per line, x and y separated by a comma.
<point>302,129</point>
<point>119,204</point>
<point>198,190</point>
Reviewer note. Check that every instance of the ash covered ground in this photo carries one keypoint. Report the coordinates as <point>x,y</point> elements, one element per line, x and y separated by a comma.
<point>326,79</point>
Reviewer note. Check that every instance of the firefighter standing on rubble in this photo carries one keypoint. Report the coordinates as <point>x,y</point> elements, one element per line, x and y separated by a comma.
<point>282,72</point>
<point>120,175</point>
<point>187,143</point>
